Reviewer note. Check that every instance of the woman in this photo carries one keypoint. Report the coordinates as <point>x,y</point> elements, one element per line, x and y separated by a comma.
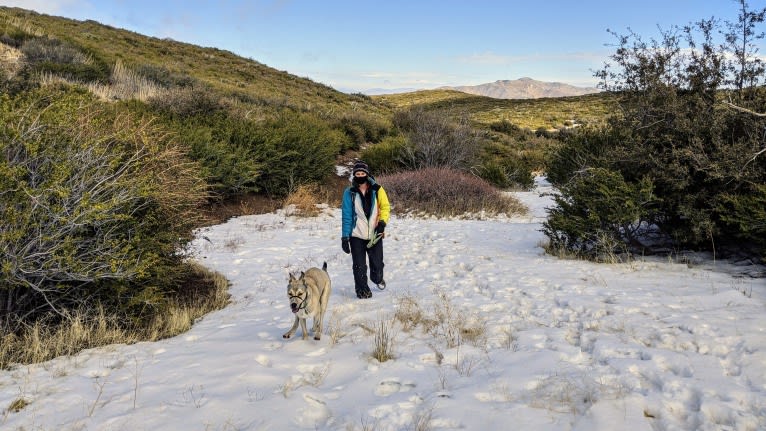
<point>365,211</point>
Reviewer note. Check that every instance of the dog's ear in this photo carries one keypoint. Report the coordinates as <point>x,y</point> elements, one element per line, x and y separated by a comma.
<point>292,277</point>
<point>303,275</point>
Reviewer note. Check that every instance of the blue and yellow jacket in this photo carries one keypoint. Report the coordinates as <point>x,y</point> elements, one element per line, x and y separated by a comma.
<point>355,222</point>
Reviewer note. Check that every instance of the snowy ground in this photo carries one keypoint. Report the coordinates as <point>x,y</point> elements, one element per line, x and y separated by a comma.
<point>554,344</point>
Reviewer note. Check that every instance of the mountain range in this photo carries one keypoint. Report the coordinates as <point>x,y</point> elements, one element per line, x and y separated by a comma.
<point>523,88</point>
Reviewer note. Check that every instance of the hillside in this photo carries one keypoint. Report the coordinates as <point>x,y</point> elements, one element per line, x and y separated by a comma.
<point>532,114</point>
<point>259,91</point>
<point>524,88</point>
<point>222,70</point>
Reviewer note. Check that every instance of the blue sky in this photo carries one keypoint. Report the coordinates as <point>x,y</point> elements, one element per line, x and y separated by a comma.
<point>356,45</point>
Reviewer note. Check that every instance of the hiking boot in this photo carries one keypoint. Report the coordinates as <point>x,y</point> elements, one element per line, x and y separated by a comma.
<point>381,285</point>
<point>364,294</point>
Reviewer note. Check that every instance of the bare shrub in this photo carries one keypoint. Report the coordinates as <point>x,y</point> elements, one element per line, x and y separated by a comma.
<point>474,331</point>
<point>436,140</point>
<point>447,192</point>
<point>44,49</point>
<point>408,313</point>
<point>449,320</point>
<point>187,101</point>
<point>304,201</point>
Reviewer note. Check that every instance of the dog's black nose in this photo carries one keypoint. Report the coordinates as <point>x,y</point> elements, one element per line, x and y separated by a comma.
<point>293,306</point>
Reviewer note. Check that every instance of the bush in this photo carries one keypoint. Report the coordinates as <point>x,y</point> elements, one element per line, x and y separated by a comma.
<point>98,207</point>
<point>296,149</point>
<point>436,141</point>
<point>222,146</point>
<point>506,127</point>
<point>743,214</point>
<point>598,214</point>
<point>444,192</point>
<point>386,156</point>
<point>363,128</point>
<point>579,150</point>
<point>52,56</point>
<point>164,77</point>
<point>185,102</point>
<point>48,50</point>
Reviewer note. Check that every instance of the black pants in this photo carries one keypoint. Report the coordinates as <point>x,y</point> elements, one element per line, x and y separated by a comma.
<point>359,255</point>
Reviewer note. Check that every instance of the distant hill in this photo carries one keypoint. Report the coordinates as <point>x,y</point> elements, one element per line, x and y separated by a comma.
<point>524,88</point>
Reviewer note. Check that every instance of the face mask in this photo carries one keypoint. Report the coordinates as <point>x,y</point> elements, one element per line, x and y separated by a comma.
<point>360,180</point>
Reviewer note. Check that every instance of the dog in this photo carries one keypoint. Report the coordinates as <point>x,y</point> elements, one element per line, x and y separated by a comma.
<point>309,295</point>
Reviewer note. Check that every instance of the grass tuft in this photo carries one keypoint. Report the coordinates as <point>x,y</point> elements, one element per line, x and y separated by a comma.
<point>383,341</point>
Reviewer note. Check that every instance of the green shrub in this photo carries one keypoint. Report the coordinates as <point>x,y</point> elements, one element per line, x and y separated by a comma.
<point>97,207</point>
<point>581,149</point>
<point>505,126</point>
<point>386,156</point>
<point>744,215</point>
<point>363,128</point>
<point>494,173</point>
<point>185,102</point>
<point>296,149</point>
<point>229,151</point>
<point>164,77</point>
<point>599,214</point>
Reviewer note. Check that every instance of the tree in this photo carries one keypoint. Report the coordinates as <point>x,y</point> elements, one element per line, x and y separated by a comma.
<point>674,132</point>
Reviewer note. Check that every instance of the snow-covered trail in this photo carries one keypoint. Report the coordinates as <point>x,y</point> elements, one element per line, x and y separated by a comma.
<point>548,344</point>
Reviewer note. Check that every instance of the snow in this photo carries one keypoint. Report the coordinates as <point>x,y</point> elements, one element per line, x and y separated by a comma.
<point>553,344</point>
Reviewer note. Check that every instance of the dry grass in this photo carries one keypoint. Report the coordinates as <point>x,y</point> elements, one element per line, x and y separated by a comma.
<point>126,85</point>
<point>383,341</point>
<point>10,60</point>
<point>408,313</point>
<point>17,405</point>
<point>304,201</point>
<point>92,328</point>
<point>446,192</point>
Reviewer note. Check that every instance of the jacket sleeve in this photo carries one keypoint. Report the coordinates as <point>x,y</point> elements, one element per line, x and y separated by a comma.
<point>383,205</point>
<point>347,214</point>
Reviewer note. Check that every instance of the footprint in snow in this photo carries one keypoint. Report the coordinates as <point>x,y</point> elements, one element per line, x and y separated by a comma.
<point>314,415</point>
<point>392,386</point>
<point>263,360</point>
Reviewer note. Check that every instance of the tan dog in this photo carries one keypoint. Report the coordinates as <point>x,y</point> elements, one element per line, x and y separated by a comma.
<point>309,295</point>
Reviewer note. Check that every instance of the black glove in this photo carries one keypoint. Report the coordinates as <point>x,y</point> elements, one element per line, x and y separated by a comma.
<point>381,227</point>
<point>344,245</point>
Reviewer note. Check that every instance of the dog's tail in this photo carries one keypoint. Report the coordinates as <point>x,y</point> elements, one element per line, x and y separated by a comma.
<point>324,267</point>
